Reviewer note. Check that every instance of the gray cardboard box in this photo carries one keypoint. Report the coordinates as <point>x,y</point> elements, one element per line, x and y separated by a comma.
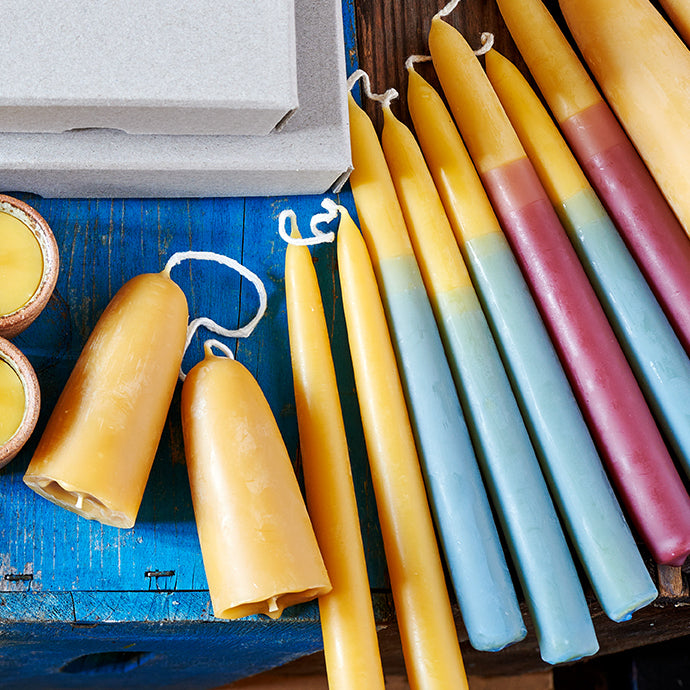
<point>309,155</point>
<point>147,66</point>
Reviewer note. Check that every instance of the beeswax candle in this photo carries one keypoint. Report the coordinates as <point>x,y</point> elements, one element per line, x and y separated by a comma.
<point>21,264</point>
<point>96,452</point>
<point>429,639</point>
<point>679,14</point>
<point>643,68</point>
<point>657,357</point>
<point>258,546</point>
<point>473,551</point>
<point>443,440</point>
<point>586,501</point>
<point>601,377</point>
<point>12,401</point>
<point>350,643</point>
<point>651,231</point>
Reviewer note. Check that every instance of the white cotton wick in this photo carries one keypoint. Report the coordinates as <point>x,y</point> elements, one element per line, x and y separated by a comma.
<point>384,98</point>
<point>319,237</point>
<point>204,321</point>
<point>413,59</point>
<point>213,343</point>
<point>487,43</point>
<point>447,9</point>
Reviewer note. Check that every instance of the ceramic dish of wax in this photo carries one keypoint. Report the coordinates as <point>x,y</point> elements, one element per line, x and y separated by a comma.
<point>29,265</point>
<point>20,401</point>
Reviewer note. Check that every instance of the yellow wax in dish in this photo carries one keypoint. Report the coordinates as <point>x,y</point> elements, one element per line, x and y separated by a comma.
<point>258,545</point>
<point>351,647</point>
<point>21,264</point>
<point>12,401</point>
<point>96,452</point>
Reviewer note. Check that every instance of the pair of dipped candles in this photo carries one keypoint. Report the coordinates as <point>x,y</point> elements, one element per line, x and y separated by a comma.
<point>96,452</point>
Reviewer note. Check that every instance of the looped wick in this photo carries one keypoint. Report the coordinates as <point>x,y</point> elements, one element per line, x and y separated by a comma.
<point>487,43</point>
<point>212,342</point>
<point>204,321</point>
<point>445,11</point>
<point>410,62</point>
<point>384,98</point>
<point>318,236</point>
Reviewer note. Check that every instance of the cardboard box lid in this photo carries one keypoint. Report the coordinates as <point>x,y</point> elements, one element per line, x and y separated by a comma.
<point>309,155</point>
<point>147,66</point>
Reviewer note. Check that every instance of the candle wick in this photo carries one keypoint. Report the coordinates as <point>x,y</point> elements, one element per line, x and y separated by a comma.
<point>384,98</point>
<point>410,62</point>
<point>487,43</point>
<point>445,11</point>
<point>80,502</point>
<point>318,236</point>
<point>212,342</point>
<point>273,604</point>
<point>243,332</point>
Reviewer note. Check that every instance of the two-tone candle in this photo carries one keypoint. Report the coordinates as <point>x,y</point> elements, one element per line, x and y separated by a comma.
<point>587,504</point>
<point>612,401</point>
<point>474,554</point>
<point>634,202</point>
<point>438,420</point>
<point>427,629</point>
<point>655,353</point>
<point>350,643</point>
<point>643,68</point>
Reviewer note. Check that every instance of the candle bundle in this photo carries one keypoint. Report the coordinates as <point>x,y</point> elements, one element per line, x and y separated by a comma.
<point>656,355</point>
<point>96,452</point>
<point>427,629</point>
<point>611,399</point>
<point>259,549</point>
<point>347,619</point>
<point>651,231</point>
<point>585,498</point>
<point>643,68</point>
<point>443,441</point>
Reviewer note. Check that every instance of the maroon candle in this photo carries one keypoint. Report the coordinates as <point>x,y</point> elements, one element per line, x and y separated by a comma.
<point>646,222</point>
<point>638,461</point>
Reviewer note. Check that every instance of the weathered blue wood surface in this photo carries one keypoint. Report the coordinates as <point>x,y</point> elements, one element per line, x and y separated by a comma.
<point>90,588</point>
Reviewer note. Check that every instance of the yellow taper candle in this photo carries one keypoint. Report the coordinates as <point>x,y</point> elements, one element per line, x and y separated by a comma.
<point>643,68</point>
<point>259,549</point>
<point>21,264</point>
<point>97,449</point>
<point>429,638</point>
<point>347,619</point>
<point>679,14</point>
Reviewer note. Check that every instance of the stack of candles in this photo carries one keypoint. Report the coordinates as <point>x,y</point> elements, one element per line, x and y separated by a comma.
<point>580,310</point>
